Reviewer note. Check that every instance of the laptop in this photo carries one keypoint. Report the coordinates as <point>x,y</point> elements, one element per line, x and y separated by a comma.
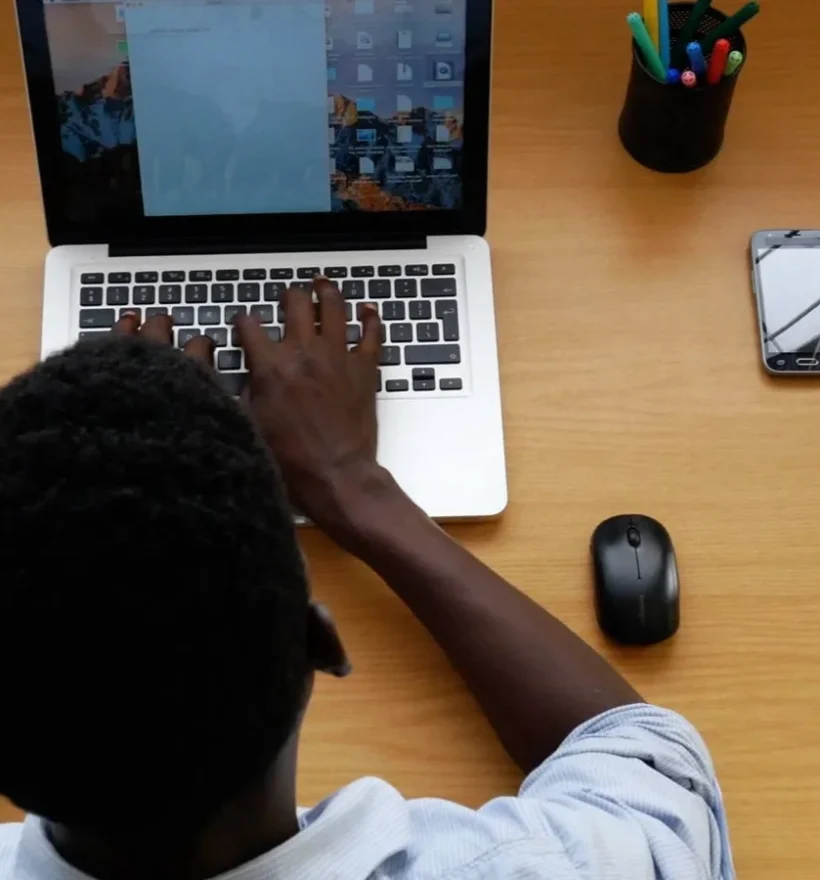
<point>197,157</point>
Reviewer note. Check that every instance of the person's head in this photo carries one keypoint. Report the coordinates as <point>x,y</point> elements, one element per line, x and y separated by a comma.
<point>157,637</point>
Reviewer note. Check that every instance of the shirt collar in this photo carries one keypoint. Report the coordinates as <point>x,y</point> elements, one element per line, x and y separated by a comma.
<point>346,837</point>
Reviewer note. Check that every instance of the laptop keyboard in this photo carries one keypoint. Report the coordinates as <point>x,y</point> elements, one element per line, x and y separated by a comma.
<point>422,346</point>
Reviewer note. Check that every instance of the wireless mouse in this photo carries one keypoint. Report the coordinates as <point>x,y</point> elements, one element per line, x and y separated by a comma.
<point>637,588</point>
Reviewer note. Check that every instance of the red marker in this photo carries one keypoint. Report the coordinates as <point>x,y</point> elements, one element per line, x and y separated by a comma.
<point>717,63</point>
<point>689,79</point>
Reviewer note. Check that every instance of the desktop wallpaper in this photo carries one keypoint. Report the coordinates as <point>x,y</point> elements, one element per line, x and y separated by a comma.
<point>225,131</point>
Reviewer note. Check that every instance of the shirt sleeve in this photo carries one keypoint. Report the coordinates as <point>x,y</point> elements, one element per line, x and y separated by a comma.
<point>630,794</point>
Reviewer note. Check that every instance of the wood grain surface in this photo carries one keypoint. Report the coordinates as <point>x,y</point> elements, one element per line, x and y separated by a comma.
<point>632,383</point>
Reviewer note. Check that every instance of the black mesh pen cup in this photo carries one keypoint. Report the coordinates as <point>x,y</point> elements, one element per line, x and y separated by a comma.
<point>674,128</point>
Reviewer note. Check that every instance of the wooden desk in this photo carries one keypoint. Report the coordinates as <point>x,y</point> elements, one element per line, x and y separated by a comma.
<point>631,383</point>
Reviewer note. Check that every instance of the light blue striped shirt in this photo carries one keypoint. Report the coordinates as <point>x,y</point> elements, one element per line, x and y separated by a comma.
<point>630,795</point>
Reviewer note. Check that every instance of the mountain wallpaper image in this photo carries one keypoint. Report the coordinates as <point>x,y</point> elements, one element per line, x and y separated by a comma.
<point>101,165</point>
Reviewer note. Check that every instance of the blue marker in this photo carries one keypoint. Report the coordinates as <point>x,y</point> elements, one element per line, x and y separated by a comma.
<point>696,59</point>
<point>673,77</point>
<point>665,45</point>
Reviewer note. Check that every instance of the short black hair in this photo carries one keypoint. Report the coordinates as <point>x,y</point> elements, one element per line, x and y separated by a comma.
<point>153,599</point>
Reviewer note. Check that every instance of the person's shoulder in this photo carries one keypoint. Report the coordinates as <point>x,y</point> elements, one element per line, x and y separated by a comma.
<point>9,840</point>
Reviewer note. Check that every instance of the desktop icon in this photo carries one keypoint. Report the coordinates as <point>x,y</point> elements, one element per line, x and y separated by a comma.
<point>405,39</point>
<point>443,102</point>
<point>444,39</point>
<point>442,163</point>
<point>366,165</point>
<point>404,134</point>
<point>364,41</point>
<point>331,74</point>
<point>442,134</point>
<point>404,104</point>
<point>444,8</point>
<point>404,72</point>
<point>365,73</point>
<point>366,135</point>
<point>403,7</point>
<point>405,165</point>
<point>328,44</point>
<point>364,7</point>
<point>366,105</point>
<point>443,71</point>
<point>331,105</point>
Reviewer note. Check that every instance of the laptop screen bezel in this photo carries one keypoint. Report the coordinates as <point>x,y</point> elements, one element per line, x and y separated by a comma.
<point>244,228</point>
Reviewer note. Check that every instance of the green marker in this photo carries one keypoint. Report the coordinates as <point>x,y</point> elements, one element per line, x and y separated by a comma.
<point>689,33</point>
<point>648,49</point>
<point>733,63</point>
<point>729,27</point>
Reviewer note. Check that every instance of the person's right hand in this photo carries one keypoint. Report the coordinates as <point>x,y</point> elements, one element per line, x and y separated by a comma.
<point>315,402</point>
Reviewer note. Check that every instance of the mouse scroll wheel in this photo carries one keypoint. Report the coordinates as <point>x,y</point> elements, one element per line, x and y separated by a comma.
<point>634,537</point>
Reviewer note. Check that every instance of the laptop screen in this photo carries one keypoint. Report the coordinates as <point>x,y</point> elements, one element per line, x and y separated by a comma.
<point>182,108</point>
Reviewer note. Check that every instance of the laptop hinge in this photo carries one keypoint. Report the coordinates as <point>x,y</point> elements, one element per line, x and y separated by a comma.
<point>295,244</point>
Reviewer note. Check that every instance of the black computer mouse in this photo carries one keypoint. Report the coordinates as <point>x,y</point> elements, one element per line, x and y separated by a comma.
<point>637,588</point>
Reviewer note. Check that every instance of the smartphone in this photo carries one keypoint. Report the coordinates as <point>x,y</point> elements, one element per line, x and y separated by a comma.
<point>786,281</point>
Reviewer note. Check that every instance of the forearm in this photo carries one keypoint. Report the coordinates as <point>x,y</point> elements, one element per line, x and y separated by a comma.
<point>535,680</point>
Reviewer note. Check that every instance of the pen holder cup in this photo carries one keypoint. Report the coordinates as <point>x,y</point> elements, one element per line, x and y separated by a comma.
<point>674,128</point>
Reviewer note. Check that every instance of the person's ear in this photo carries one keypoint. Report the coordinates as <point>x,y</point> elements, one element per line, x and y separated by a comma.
<point>326,652</point>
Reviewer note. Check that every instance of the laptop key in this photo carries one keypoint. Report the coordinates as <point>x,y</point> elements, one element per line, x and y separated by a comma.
<point>219,336</point>
<point>389,271</point>
<point>363,271</point>
<point>186,335</point>
<point>145,295</point>
<point>196,293</point>
<point>420,311</point>
<point>438,287</point>
<point>170,294</point>
<point>424,385</point>
<point>427,332</point>
<point>353,289</point>
<point>232,312</point>
<point>233,383</point>
<point>424,373</point>
<point>227,275</point>
<point>274,333</point>
<point>200,275</point>
<point>249,293</point>
<point>353,334</point>
<point>393,311</point>
<point>395,385</point>
<point>222,293</point>
<point>390,356</point>
<point>379,289</point>
<point>146,277</point>
<point>309,272</point>
<point>303,285</point>
<point>93,296</point>
<point>130,310</point>
<point>93,334</point>
<point>401,332</point>
<point>451,384</point>
<point>91,319</point>
<point>447,313</point>
<point>117,296</point>
<point>281,274</point>
<point>154,311</point>
<point>444,269</point>
<point>416,271</point>
<point>119,277</point>
<point>263,314</point>
<point>208,315</point>
<point>229,360</point>
<point>335,271</point>
<point>407,288</point>
<point>92,278</point>
<point>254,275</point>
<point>417,355</point>
<point>173,276</point>
<point>274,291</point>
<point>183,316</point>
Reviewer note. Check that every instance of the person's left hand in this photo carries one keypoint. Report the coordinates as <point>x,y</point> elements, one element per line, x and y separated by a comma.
<point>160,328</point>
